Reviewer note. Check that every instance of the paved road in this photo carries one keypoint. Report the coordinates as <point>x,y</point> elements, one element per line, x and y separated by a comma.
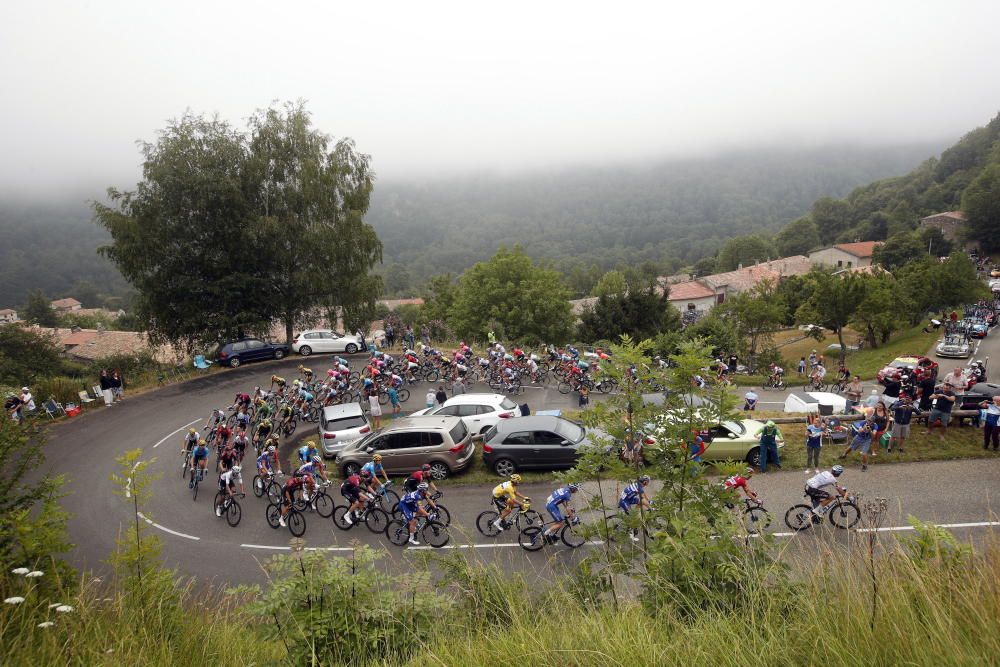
<point>196,542</point>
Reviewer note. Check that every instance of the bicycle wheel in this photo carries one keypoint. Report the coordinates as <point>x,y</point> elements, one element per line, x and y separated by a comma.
<point>323,504</point>
<point>531,538</point>
<point>484,523</point>
<point>272,514</point>
<point>432,376</point>
<point>844,515</point>
<point>274,492</point>
<point>314,413</point>
<point>435,534</point>
<point>387,500</point>
<point>383,398</point>
<point>397,532</point>
<point>296,523</point>
<point>443,515</point>
<point>195,488</point>
<point>340,518</point>
<point>529,518</point>
<point>234,514</point>
<point>290,428</point>
<point>799,517</point>
<point>376,519</point>
<point>571,538</point>
<point>187,465</point>
<point>756,520</point>
<point>258,485</point>
<point>404,395</point>
<point>220,497</point>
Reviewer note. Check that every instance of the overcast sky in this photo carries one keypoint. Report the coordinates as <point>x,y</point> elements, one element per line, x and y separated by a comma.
<point>434,88</point>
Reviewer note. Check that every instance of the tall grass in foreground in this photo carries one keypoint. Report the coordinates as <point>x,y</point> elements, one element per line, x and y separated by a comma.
<point>933,611</point>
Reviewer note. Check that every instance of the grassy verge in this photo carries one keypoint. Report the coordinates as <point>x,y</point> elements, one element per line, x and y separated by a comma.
<point>867,363</point>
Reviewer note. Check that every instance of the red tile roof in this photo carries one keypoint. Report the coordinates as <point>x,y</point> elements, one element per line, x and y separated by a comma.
<point>78,338</point>
<point>689,290</point>
<point>860,249</point>
<point>66,303</point>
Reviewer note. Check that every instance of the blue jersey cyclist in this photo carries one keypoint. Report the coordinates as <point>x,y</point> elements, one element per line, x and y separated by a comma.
<point>374,468</point>
<point>560,496</point>
<point>308,451</point>
<point>313,467</point>
<point>410,506</point>
<point>267,462</point>
<point>199,461</point>
<point>633,494</point>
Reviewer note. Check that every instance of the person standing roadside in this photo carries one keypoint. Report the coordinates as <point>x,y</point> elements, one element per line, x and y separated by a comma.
<point>770,436</point>
<point>394,400</point>
<point>584,399</point>
<point>27,401</point>
<point>854,391</point>
<point>106,391</point>
<point>902,415</point>
<point>944,401</point>
<point>390,335</point>
<point>802,366</point>
<point>441,396</point>
<point>374,409</point>
<point>991,426</point>
<point>117,385</point>
<point>409,337</point>
<point>955,380</point>
<point>458,387</point>
<point>814,443</point>
<point>430,398</point>
<point>425,334</point>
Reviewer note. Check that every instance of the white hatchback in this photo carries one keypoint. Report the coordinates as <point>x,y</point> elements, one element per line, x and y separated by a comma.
<point>478,411</point>
<point>342,425</point>
<point>325,340</point>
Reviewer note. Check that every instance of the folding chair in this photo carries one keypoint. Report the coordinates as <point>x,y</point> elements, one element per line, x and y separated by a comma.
<point>200,362</point>
<point>85,397</point>
<point>53,409</point>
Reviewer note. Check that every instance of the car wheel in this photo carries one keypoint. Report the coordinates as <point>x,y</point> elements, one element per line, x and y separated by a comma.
<point>439,470</point>
<point>753,457</point>
<point>278,354</point>
<point>234,362</point>
<point>351,348</point>
<point>305,350</point>
<point>351,469</point>
<point>504,467</point>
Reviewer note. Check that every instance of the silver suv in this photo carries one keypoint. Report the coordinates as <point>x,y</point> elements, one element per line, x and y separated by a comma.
<point>408,443</point>
<point>341,425</point>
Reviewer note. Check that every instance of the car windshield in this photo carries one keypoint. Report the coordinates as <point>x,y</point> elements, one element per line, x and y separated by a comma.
<point>901,363</point>
<point>459,432</point>
<point>735,427</point>
<point>570,431</point>
<point>344,423</point>
<point>490,433</point>
<point>508,404</point>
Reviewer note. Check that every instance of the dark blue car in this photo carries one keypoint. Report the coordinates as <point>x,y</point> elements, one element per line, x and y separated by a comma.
<point>249,349</point>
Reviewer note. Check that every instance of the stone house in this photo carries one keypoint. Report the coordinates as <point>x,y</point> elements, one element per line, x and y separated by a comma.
<point>845,255</point>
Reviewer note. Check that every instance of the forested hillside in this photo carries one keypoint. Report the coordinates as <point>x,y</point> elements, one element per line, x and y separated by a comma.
<point>586,221</point>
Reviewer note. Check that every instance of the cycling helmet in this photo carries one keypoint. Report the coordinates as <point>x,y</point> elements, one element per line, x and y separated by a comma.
<point>330,372</point>
<point>748,471</point>
<point>202,441</point>
<point>426,467</point>
<point>837,471</point>
<point>271,449</point>
<point>423,486</point>
<point>265,422</point>
<point>573,487</point>
<point>366,474</point>
<point>236,469</point>
<point>515,478</point>
<point>311,444</point>
<point>644,479</point>
<point>377,458</point>
<point>317,459</point>
<point>192,431</point>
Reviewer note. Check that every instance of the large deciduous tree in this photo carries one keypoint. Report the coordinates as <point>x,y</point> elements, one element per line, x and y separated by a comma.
<point>981,203</point>
<point>639,312</point>
<point>511,295</point>
<point>758,314</point>
<point>745,250</point>
<point>797,237</point>
<point>832,304</point>
<point>38,310</point>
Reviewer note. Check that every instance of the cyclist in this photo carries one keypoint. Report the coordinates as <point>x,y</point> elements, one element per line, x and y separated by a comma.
<point>352,491</point>
<point>222,435</point>
<point>242,400</point>
<point>374,468</point>
<point>242,419</point>
<point>307,451</point>
<point>741,482</point>
<point>307,373</point>
<point>190,440</point>
<point>635,494</point>
<point>817,488</point>
<point>313,467</point>
<point>284,415</point>
<point>776,373</point>
<point>505,497</point>
<point>420,476</point>
<point>411,507</point>
<point>217,417</point>
<point>240,444</point>
<point>280,383</point>
<point>263,431</point>
<point>199,461</point>
<point>560,496</point>
<point>293,484</point>
<point>263,409</point>
<point>227,482</point>
<point>265,462</point>
<point>226,459</point>
<point>818,373</point>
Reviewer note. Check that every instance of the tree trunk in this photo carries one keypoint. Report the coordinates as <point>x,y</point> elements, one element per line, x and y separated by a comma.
<point>843,348</point>
<point>289,324</point>
<point>872,339</point>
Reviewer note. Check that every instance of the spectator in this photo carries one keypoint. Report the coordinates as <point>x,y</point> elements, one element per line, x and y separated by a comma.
<point>813,359</point>
<point>733,363</point>
<point>802,365</point>
<point>814,442</point>
<point>430,399</point>
<point>584,400</point>
<point>902,414</point>
<point>770,436</point>
<point>106,391</point>
<point>892,387</point>
<point>409,337</point>
<point>425,335</point>
<point>117,385</point>
<point>750,400</point>
<point>926,389</point>
<point>441,396</point>
<point>944,401</point>
<point>458,387</point>
<point>862,442</point>
<point>854,392</point>
<point>394,400</point>
<point>390,335</point>
<point>27,402</point>
<point>375,410</point>
<point>991,425</point>
<point>12,405</point>
<point>880,418</point>
<point>955,379</point>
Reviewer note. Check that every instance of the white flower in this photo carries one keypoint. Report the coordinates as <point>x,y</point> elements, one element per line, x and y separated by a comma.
<point>14,600</point>
<point>36,573</point>
<point>64,609</point>
<point>46,624</point>
<point>20,570</point>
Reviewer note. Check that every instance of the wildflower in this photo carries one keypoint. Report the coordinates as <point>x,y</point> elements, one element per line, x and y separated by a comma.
<point>14,600</point>
<point>64,609</point>
<point>20,570</point>
<point>36,573</point>
<point>46,624</point>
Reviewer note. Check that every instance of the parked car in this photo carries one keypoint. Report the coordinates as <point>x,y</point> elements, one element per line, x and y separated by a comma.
<point>917,364</point>
<point>408,443</point>
<point>954,346</point>
<point>976,327</point>
<point>534,442</point>
<point>249,349</point>
<point>731,440</point>
<point>316,341</point>
<point>479,411</point>
<point>341,425</point>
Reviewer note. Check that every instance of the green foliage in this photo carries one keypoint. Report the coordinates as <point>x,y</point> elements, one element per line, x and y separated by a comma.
<point>981,203</point>
<point>797,237</point>
<point>343,611</point>
<point>934,546</point>
<point>641,313</point>
<point>832,217</point>
<point>899,250</point>
<point>26,356</point>
<point>744,251</point>
<point>832,303</point>
<point>38,310</point>
<point>883,309</point>
<point>757,315</point>
<point>513,296</point>
<point>719,333</point>
<point>611,283</point>
<point>439,296</point>
<point>932,285</point>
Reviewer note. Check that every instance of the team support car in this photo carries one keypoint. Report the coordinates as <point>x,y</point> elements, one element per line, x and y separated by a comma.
<point>316,341</point>
<point>920,366</point>
<point>734,440</point>
<point>249,349</point>
<point>954,347</point>
<point>977,328</point>
<point>478,411</point>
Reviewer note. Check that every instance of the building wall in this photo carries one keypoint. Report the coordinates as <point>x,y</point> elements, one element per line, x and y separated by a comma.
<point>834,257</point>
<point>703,304</point>
<point>948,225</point>
<point>8,317</point>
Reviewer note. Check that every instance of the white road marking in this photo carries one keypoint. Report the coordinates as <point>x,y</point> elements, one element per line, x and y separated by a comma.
<point>172,433</point>
<point>165,529</point>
